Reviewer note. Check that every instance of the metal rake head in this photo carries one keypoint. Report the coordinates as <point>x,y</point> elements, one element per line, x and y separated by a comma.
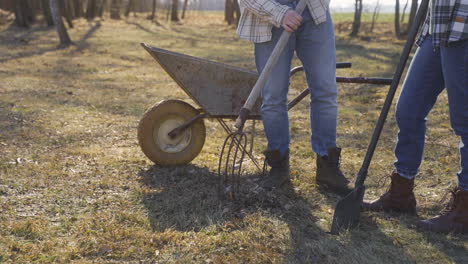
<point>230,165</point>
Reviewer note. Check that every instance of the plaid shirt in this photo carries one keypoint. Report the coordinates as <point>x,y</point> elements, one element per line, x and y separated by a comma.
<point>447,21</point>
<point>259,16</point>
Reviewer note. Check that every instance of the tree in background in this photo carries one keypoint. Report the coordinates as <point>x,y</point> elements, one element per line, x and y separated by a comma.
<point>184,8</point>
<point>78,8</point>
<point>46,12</point>
<point>232,12</point>
<point>397,19</point>
<point>24,13</point>
<point>130,7</point>
<point>414,9</point>
<point>153,11</point>
<point>357,18</point>
<point>91,9</point>
<point>66,11</point>
<point>115,9</point>
<point>174,11</point>
<point>375,15</point>
<point>61,30</point>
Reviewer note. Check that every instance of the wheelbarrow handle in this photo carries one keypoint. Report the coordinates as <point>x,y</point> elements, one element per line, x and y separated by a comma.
<point>255,93</point>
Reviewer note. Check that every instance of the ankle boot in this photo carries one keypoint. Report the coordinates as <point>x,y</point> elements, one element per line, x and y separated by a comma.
<point>454,217</point>
<point>279,172</point>
<point>329,174</point>
<point>399,197</point>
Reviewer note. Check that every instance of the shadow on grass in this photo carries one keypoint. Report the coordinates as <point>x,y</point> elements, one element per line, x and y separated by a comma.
<point>22,40</point>
<point>82,44</point>
<point>185,199</point>
<point>454,246</point>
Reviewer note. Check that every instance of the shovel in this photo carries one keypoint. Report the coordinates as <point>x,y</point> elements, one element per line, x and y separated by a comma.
<point>348,209</point>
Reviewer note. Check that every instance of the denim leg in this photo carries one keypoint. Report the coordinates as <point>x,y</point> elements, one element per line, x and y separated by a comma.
<point>274,107</point>
<point>315,47</point>
<point>423,84</point>
<point>455,69</point>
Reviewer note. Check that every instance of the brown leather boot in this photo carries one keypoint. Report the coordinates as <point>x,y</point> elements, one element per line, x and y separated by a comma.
<point>279,172</point>
<point>454,217</point>
<point>399,197</point>
<point>328,172</point>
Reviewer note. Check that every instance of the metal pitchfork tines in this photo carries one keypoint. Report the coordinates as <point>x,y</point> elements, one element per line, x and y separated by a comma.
<point>230,166</point>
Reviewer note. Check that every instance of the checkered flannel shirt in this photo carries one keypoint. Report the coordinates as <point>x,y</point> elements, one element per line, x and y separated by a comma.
<point>259,16</point>
<point>447,21</point>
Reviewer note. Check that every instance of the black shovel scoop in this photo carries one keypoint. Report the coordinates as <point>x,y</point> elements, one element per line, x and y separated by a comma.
<point>348,209</point>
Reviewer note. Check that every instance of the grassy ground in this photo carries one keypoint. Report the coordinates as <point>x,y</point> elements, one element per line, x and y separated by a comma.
<point>75,187</point>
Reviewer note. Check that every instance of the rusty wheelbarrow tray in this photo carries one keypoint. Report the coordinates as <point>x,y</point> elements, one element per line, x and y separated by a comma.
<point>172,132</point>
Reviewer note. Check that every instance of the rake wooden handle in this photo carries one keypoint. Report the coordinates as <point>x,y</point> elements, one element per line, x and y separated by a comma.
<point>255,93</point>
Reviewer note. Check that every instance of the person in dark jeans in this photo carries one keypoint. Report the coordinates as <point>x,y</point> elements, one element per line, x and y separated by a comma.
<point>440,62</point>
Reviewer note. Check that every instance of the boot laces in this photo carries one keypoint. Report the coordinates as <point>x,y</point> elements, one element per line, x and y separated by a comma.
<point>383,182</point>
<point>451,203</point>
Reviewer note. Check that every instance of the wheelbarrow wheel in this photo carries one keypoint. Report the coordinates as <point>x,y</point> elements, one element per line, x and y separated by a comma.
<point>161,119</point>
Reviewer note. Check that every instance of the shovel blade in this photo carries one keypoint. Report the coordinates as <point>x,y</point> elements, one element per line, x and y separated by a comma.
<point>348,211</point>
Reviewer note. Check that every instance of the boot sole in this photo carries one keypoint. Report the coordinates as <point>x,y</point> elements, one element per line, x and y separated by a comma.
<point>412,212</point>
<point>329,188</point>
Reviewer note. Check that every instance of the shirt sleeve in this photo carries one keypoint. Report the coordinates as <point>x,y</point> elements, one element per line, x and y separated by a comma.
<point>268,10</point>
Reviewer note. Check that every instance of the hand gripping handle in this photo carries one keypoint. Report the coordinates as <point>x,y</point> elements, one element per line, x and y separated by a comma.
<point>255,93</point>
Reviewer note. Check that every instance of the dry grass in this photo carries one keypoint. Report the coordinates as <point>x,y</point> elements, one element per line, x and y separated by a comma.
<point>75,187</point>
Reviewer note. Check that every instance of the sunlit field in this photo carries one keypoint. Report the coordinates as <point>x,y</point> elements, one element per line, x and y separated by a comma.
<point>75,186</point>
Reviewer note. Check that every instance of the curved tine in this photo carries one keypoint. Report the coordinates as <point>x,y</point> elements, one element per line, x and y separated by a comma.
<point>236,175</point>
<point>224,164</point>
<point>222,153</point>
<point>230,173</point>
<point>223,174</point>
<point>228,131</point>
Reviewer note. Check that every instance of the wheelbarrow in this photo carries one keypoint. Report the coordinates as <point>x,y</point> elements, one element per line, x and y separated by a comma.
<point>173,132</point>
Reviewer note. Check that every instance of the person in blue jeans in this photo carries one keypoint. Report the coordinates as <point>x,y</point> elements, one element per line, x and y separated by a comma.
<point>441,62</point>
<point>312,39</point>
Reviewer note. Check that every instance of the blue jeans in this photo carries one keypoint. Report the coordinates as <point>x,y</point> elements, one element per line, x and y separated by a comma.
<point>431,71</point>
<point>315,47</point>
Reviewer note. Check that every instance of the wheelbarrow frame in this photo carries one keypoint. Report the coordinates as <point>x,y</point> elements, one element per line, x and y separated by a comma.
<point>341,65</point>
<point>239,82</point>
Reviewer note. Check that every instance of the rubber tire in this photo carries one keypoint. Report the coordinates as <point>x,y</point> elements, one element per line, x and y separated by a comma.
<point>154,117</point>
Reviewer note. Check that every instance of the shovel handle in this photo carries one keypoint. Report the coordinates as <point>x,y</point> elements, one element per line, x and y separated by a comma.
<point>391,92</point>
<point>255,93</point>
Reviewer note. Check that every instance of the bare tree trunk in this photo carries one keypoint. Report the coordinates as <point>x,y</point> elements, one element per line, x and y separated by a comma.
<point>174,11</point>
<point>375,15</point>
<point>78,7</point>
<point>414,9</point>
<point>24,15</point>
<point>61,30</point>
<point>402,20</point>
<point>153,11</point>
<point>100,8</point>
<point>115,9</point>
<point>47,14</point>
<point>65,11</point>
<point>397,18</point>
<point>237,11</point>
<point>228,12</point>
<point>184,9</point>
<point>91,9</point>
<point>357,18</point>
<point>168,14</point>
<point>130,7</point>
